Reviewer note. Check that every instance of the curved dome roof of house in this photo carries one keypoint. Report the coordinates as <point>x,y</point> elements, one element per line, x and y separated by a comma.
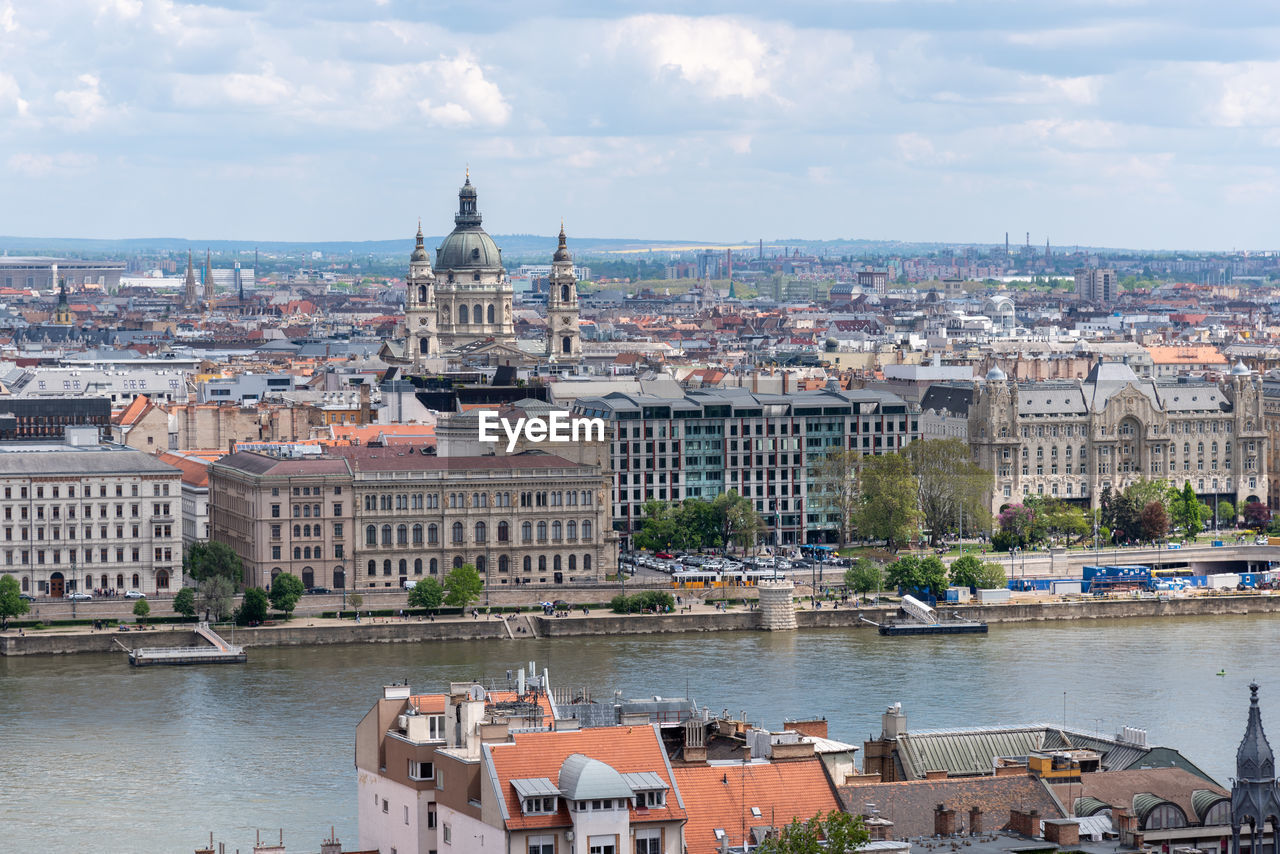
<point>583,778</point>
<point>468,246</point>
<point>995,375</point>
<point>1240,369</point>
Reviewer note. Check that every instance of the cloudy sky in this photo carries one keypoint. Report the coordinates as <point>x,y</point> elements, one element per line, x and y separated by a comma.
<point>1124,123</point>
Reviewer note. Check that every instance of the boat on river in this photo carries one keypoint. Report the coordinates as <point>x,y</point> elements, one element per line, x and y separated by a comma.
<point>917,618</point>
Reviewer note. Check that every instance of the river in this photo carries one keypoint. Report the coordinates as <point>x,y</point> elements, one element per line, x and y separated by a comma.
<point>97,756</point>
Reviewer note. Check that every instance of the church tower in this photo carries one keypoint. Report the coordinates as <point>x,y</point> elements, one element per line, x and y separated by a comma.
<point>189,298</point>
<point>62,314</point>
<point>473,294</point>
<point>420,318</point>
<point>1254,797</point>
<point>564,339</point>
<point>208,280</point>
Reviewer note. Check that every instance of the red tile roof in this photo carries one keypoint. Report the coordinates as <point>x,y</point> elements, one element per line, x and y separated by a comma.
<point>194,471</point>
<point>721,797</point>
<point>627,749</point>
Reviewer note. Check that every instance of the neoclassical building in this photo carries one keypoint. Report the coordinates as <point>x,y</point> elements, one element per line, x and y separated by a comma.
<point>1071,440</point>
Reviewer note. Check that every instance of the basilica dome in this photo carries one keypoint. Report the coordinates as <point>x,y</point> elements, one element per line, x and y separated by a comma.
<point>468,246</point>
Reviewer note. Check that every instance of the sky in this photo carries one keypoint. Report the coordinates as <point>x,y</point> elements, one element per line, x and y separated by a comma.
<point>1125,123</point>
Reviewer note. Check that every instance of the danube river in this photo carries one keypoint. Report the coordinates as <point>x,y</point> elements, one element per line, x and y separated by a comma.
<point>101,757</point>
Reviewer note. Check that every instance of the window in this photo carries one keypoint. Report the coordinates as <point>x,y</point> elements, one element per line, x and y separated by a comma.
<point>602,844</point>
<point>526,532</point>
<point>648,842</point>
<point>371,535</point>
<point>457,532</point>
<point>446,830</point>
<point>542,845</point>
<point>539,806</point>
<point>482,532</point>
<point>385,805</point>
<point>421,770</point>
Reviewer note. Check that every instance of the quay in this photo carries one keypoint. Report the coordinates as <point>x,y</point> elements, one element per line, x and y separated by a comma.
<point>219,651</point>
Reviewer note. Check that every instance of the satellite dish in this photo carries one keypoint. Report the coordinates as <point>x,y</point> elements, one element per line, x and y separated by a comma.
<point>476,693</point>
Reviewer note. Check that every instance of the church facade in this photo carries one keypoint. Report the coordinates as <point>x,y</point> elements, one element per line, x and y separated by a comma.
<point>464,299</point>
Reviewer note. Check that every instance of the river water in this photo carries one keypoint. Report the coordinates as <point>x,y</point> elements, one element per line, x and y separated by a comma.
<point>98,756</point>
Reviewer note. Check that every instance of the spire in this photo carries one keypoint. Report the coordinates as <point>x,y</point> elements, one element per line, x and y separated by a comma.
<point>419,249</point>
<point>1254,759</point>
<point>208,276</point>
<point>468,213</point>
<point>562,253</point>
<point>189,294</point>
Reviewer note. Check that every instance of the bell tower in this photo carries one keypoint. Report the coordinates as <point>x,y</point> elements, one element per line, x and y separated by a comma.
<point>420,317</point>
<point>564,339</point>
<point>1255,800</point>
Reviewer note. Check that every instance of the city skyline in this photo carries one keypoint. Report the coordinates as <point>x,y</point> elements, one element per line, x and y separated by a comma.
<point>1104,124</point>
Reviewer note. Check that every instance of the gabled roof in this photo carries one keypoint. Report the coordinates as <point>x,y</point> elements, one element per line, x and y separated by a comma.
<point>737,796</point>
<point>910,805</point>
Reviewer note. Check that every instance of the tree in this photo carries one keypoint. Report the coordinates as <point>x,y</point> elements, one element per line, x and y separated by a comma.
<point>951,486</point>
<point>887,507</point>
<point>965,570</point>
<point>737,520</point>
<point>918,575</point>
<point>463,586</point>
<point>836,489</point>
<point>215,596</point>
<point>991,576</point>
<point>1226,514</point>
<point>185,602</point>
<point>286,590</point>
<point>865,576</point>
<point>1185,509</point>
<point>1154,521</point>
<point>1256,515</point>
<point>659,528</point>
<point>1018,525</point>
<point>212,559</point>
<point>11,602</point>
<point>141,608</point>
<point>355,600</point>
<point>1061,519</point>
<point>427,593</point>
<point>253,607</point>
<point>837,832</point>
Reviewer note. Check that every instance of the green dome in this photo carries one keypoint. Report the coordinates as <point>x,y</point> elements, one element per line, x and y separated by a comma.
<point>467,248</point>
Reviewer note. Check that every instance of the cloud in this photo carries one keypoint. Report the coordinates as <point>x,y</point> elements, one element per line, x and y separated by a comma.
<point>916,148</point>
<point>476,101</point>
<point>11,95</point>
<point>84,105</point>
<point>8,21</point>
<point>718,57</point>
<point>1250,94</point>
<point>41,165</point>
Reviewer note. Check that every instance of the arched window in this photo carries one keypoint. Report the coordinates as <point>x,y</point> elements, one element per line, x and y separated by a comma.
<point>297,552</point>
<point>566,345</point>
<point>404,566</point>
<point>564,293</point>
<point>422,293</point>
<point>573,563</point>
<point>482,533</point>
<point>457,532</point>
<point>504,532</point>
<point>386,567</point>
<point>120,580</point>
<point>308,577</point>
<point>306,510</point>
<point>528,564</point>
<point>462,314</point>
<point>481,564</point>
<point>372,569</point>
<point>477,313</point>
<point>297,530</point>
<point>555,562</point>
<point>586,529</point>
<point>104,581</point>
<point>504,563</point>
<point>162,579</point>
<point>586,562</point>
<point>26,583</point>
<point>422,346</point>
<point>490,313</point>
<point>542,563</point>
<point>402,535</point>
<point>417,566</point>
<point>371,535</point>
<point>542,531</point>
<point>386,535</point>
<point>457,561</point>
<point>434,566</point>
<point>306,530</point>
<point>571,530</point>
<point>137,581</point>
<point>556,530</point>
<point>306,552</point>
<point>433,534</point>
<point>526,531</point>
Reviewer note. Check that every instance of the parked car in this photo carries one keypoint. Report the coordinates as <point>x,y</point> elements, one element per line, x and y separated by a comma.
<point>319,590</point>
<point>665,555</point>
<point>79,597</point>
<point>26,597</point>
<point>135,594</point>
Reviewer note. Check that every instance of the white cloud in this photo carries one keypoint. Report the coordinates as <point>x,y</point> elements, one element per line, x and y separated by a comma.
<point>917,148</point>
<point>84,105</point>
<point>1250,94</point>
<point>719,57</point>
<point>8,21</point>
<point>124,9</point>
<point>11,95</point>
<point>41,165</point>
<point>740,143</point>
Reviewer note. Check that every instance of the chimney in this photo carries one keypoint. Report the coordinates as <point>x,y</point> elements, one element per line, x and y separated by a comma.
<point>331,845</point>
<point>975,822</point>
<point>1063,832</point>
<point>364,404</point>
<point>893,722</point>
<point>1025,822</point>
<point>944,821</point>
<point>695,742</point>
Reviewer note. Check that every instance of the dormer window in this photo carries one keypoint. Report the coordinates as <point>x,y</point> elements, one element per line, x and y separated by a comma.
<point>539,806</point>
<point>537,796</point>
<point>651,799</point>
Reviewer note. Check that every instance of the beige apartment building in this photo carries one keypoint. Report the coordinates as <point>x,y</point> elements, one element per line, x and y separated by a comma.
<point>1072,440</point>
<point>390,515</point>
<point>80,517</point>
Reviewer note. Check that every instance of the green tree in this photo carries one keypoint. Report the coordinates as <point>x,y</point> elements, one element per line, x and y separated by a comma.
<point>355,600</point>
<point>951,486</point>
<point>965,570</point>
<point>737,520</point>
<point>141,608</point>
<point>253,607</point>
<point>212,559</point>
<point>427,593</point>
<point>865,576</point>
<point>659,528</point>
<point>286,590</point>
<point>1226,514</point>
<point>11,602</point>
<point>837,832</point>
<point>836,493</point>
<point>185,602</point>
<point>215,595</point>
<point>463,585</point>
<point>1186,511</point>
<point>991,576</point>
<point>918,575</point>
<point>887,509</point>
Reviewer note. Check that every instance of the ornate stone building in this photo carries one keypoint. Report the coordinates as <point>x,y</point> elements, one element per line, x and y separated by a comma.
<point>472,292</point>
<point>421,318</point>
<point>564,340</point>
<point>1071,440</point>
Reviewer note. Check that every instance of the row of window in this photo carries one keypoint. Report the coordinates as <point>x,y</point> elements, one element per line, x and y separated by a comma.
<point>481,563</point>
<point>72,556</point>
<point>56,490</point>
<point>405,535</point>
<point>162,582</point>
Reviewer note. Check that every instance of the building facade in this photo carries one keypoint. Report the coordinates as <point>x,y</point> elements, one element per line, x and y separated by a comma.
<point>473,294</point>
<point>564,340</point>
<point>363,517</point>
<point>1096,285</point>
<point>83,517</point>
<point>768,448</point>
<point>1072,440</point>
